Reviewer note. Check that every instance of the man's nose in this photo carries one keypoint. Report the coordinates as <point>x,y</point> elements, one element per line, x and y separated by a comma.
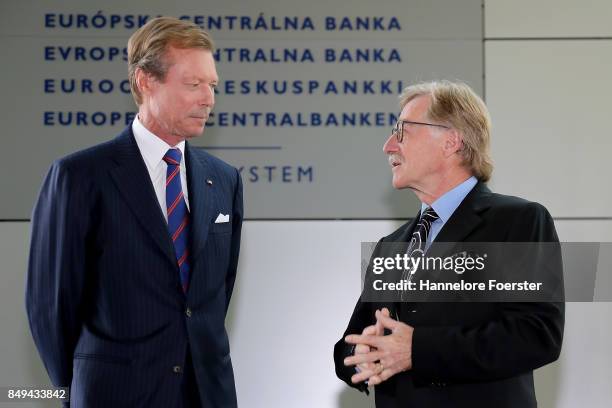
<point>208,96</point>
<point>390,145</point>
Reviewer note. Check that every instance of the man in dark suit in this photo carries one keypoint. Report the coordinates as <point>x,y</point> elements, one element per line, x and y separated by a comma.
<point>135,244</point>
<point>468,354</point>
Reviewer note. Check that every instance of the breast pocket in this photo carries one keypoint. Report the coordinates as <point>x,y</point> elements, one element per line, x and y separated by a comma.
<point>221,228</point>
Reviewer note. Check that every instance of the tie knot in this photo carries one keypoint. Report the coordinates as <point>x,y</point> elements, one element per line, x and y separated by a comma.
<point>173,157</point>
<point>430,214</point>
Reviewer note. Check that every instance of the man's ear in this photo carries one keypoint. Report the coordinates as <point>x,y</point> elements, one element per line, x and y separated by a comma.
<point>144,81</point>
<point>453,142</point>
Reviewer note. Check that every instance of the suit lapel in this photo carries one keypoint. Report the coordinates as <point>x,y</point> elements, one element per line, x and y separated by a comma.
<point>133,181</point>
<point>466,217</point>
<point>406,234</point>
<point>462,222</point>
<point>200,199</point>
<point>399,308</point>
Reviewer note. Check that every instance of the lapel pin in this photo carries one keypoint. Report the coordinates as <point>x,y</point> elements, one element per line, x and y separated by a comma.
<point>209,182</point>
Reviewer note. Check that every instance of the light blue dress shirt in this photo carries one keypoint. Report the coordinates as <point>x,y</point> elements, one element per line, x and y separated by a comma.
<point>446,205</point>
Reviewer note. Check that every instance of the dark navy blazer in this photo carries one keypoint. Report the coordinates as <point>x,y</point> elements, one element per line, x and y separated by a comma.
<point>103,296</point>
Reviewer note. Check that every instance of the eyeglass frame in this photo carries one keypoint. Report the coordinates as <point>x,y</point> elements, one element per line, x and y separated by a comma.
<point>399,134</point>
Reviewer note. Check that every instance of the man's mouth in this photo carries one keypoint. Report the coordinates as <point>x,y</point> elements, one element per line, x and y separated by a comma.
<point>201,115</point>
<point>393,162</point>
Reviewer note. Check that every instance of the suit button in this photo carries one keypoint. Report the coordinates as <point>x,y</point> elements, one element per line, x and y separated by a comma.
<point>438,384</point>
<point>188,312</point>
<point>177,369</point>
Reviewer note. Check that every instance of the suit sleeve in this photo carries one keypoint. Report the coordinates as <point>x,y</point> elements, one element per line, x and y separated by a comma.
<point>56,270</point>
<point>524,337</point>
<point>362,317</point>
<point>238,215</point>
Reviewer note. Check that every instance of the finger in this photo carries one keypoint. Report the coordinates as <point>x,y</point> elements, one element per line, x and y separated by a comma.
<point>384,375</point>
<point>387,321</point>
<point>366,371</point>
<point>374,380</point>
<point>361,349</point>
<point>366,366</point>
<point>362,376</point>
<point>371,341</point>
<point>370,357</point>
<point>369,331</point>
<point>379,328</point>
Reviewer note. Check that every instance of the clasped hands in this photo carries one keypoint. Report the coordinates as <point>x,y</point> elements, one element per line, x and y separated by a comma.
<point>377,356</point>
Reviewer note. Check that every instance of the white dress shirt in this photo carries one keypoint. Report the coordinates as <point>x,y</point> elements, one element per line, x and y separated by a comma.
<point>153,150</point>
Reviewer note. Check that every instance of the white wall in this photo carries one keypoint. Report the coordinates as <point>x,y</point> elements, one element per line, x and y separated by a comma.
<point>547,69</point>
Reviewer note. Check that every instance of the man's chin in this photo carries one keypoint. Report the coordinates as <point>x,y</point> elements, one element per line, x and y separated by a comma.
<point>398,184</point>
<point>195,132</point>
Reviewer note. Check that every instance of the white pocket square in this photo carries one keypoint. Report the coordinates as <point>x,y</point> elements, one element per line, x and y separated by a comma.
<point>222,218</point>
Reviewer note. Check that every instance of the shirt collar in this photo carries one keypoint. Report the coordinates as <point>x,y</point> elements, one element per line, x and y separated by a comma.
<point>448,202</point>
<point>152,147</point>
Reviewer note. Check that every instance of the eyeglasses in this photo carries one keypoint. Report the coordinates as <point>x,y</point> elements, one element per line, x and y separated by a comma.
<point>398,129</point>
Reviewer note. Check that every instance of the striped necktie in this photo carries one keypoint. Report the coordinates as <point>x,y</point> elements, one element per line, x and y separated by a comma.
<point>178,214</point>
<point>417,244</point>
